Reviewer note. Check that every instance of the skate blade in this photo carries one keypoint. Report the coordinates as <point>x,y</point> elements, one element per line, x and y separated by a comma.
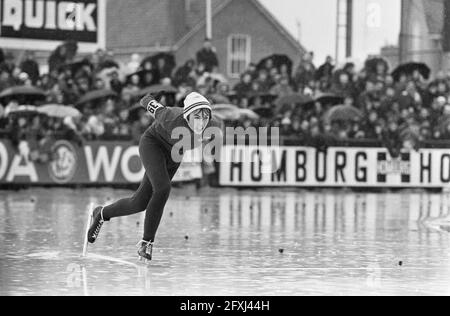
<point>88,225</point>
<point>144,261</point>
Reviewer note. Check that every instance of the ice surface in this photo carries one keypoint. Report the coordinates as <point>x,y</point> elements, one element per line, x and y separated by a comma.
<point>266,242</point>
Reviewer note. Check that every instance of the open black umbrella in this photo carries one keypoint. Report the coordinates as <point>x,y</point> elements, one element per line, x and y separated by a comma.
<point>20,91</point>
<point>409,68</point>
<point>278,60</point>
<point>371,64</point>
<point>108,64</point>
<point>96,95</point>
<point>343,113</point>
<point>329,99</point>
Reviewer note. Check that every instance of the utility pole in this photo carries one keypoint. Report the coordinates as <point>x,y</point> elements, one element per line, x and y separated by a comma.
<point>349,32</point>
<point>344,28</point>
<point>208,19</point>
<point>403,36</point>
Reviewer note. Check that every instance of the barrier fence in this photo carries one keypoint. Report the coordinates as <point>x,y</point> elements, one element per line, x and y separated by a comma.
<point>118,163</point>
<point>99,163</point>
<point>335,167</point>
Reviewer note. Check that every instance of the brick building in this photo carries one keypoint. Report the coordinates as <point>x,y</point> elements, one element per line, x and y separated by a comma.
<point>243,31</point>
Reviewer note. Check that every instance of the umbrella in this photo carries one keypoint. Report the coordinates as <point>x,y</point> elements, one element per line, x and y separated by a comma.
<point>108,64</point>
<point>159,88</point>
<point>18,91</point>
<point>96,95</point>
<point>264,112</point>
<point>61,111</point>
<point>286,102</point>
<point>230,112</point>
<point>278,60</point>
<point>329,98</point>
<point>226,112</point>
<point>372,64</point>
<point>219,98</point>
<point>247,113</point>
<point>23,110</point>
<point>343,113</point>
<point>409,68</point>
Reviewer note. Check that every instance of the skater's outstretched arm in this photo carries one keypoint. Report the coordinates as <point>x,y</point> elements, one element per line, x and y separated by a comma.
<point>151,104</point>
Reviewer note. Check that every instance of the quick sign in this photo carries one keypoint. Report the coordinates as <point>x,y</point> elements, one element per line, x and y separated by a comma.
<point>52,20</point>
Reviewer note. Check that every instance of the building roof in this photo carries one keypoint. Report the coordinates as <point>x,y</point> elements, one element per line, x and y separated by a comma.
<point>162,32</point>
<point>223,4</point>
<point>434,12</point>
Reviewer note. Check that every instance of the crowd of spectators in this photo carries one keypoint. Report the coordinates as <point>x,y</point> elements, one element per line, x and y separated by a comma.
<point>401,111</point>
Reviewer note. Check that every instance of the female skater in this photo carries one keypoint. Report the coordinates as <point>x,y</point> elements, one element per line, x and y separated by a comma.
<point>155,149</point>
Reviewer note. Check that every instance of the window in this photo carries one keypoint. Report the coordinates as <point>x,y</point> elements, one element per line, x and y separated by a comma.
<point>239,52</point>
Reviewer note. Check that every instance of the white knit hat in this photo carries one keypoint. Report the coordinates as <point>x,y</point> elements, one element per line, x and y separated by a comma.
<point>195,101</point>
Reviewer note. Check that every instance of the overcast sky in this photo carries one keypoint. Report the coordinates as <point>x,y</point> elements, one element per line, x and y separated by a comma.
<point>376,23</point>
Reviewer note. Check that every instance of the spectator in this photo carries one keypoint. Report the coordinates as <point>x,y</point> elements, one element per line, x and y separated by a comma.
<point>326,70</point>
<point>30,67</point>
<point>2,56</point>
<point>207,56</point>
<point>134,64</point>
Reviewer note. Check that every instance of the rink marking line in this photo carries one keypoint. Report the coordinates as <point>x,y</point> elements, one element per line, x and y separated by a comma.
<point>107,258</point>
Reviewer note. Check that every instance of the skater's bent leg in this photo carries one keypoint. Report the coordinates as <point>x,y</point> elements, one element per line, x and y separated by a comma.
<point>157,203</point>
<point>155,162</point>
<point>129,206</point>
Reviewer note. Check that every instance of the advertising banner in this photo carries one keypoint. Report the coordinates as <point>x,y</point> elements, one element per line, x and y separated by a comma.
<point>337,167</point>
<point>93,163</point>
<point>44,24</point>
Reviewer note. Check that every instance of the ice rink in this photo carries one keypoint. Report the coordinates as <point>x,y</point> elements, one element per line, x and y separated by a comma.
<point>229,242</point>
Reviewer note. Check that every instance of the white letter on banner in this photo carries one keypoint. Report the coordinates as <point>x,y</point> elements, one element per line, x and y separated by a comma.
<point>34,20</point>
<point>66,16</point>
<point>3,160</point>
<point>102,162</point>
<point>12,14</point>
<point>26,170</point>
<point>85,17</point>
<point>50,15</point>
<point>125,165</point>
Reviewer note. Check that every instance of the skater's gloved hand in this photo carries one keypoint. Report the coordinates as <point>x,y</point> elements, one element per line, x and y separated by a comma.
<point>150,103</point>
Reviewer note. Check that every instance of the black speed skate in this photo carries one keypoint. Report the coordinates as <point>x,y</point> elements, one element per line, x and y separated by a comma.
<point>96,224</point>
<point>145,250</point>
